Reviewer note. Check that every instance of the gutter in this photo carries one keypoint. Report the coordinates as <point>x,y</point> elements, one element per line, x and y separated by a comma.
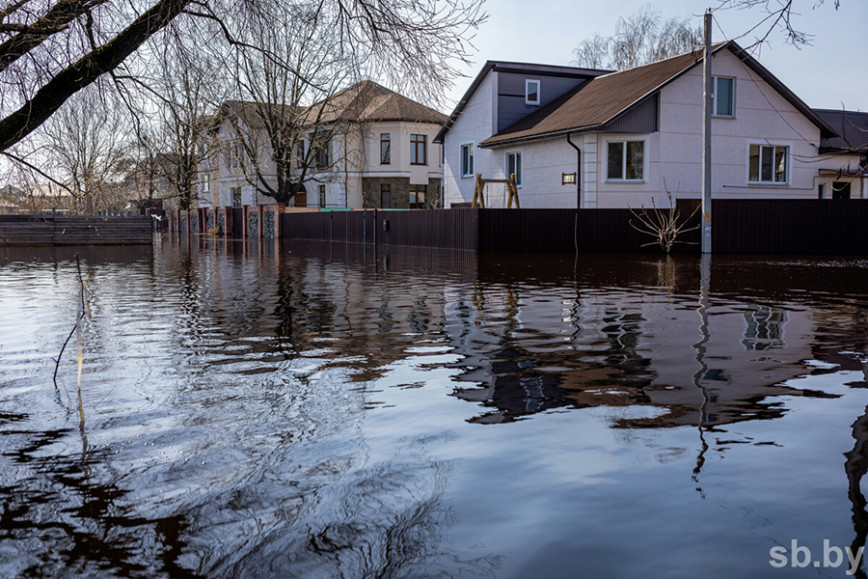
<point>578,172</point>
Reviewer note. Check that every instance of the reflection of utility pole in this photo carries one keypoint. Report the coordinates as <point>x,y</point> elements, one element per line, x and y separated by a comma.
<point>706,138</point>
<point>701,350</point>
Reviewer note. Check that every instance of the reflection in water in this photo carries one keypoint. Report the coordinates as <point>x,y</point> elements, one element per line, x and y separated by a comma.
<point>310,409</point>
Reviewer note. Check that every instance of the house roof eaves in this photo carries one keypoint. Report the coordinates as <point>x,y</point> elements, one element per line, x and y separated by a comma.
<point>540,137</point>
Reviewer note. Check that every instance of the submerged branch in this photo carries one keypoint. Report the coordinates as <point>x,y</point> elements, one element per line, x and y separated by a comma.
<point>82,311</point>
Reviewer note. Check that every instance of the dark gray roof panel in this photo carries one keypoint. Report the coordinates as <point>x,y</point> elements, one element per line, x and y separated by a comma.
<point>852,129</point>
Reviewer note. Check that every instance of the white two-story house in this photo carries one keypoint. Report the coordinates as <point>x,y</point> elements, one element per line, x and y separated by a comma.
<point>380,153</point>
<point>594,139</point>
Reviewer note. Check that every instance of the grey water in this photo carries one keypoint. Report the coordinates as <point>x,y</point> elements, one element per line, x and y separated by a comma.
<point>325,410</point>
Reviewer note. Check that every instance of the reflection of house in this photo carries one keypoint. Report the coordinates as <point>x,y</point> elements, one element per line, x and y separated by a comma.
<point>380,154</point>
<point>614,339</point>
<point>578,137</point>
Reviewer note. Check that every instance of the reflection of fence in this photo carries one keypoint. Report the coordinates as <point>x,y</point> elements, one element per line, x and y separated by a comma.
<point>739,226</point>
<point>75,230</point>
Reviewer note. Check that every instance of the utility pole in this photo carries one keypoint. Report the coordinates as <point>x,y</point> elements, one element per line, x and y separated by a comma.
<point>706,138</point>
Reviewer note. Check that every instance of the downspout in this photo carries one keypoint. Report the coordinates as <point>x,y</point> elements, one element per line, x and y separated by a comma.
<point>578,172</point>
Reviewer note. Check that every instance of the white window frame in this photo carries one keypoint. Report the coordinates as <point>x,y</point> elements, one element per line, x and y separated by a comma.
<point>461,169</point>
<point>625,140</point>
<point>527,83</point>
<point>714,91</point>
<point>773,183</point>
<point>519,168</point>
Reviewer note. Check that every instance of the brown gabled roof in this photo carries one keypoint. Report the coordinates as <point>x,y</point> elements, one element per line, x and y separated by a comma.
<point>368,101</point>
<point>248,112</point>
<point>605,98</point>
<point>365,101</point>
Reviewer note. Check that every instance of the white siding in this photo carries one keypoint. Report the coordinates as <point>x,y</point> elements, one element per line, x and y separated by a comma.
<point>476,123</point>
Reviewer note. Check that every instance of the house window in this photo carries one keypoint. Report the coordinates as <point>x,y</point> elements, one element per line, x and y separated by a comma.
<point>723,96</point>
<point>236,197</point>
<point>418,150</point>
<point>299,154</point>
<point>322,195</point>
<point>385,196</point>
<point>626,161</point>
<point>385,148</point>
<point>821,191</point>
<point>769,164</point>
<point>513,167</point>
<point>322,156</point>
<point>467,160</point>
<point>568,178</point>
<point>418,193</point>
<point>531,92</point>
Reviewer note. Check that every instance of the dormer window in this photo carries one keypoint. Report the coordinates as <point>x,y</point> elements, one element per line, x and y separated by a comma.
<point>531,92</point>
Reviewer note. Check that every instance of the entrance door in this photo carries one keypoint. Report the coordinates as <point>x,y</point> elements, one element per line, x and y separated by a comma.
<point>301,199</point>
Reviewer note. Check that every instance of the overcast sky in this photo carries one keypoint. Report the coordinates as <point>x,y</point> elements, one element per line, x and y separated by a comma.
<point>830,72</point>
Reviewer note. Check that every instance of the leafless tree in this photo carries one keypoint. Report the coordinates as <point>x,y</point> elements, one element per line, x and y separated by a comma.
<point>665,226</point>
<point>593,52</point>
<point>638,39</point>
<point>84,146</point>
<point>186,89</point>
<point>779,15</point>
<point>284,127</point>
<point>51,49</point>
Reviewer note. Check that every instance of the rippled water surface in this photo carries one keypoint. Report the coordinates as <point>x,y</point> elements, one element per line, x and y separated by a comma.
<point>319,411</point>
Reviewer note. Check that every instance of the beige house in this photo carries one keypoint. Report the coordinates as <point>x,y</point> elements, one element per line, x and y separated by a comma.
<point>379,154</point>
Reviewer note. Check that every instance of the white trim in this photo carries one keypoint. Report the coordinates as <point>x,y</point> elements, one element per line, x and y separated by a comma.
<point>761,183</point>
<point>624,139</point>
<point>472,167</point>
<point>520,167</point>
<point>714,97</point>
<point>527,83</point>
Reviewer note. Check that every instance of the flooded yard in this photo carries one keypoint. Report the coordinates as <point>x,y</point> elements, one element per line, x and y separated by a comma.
<point>316,410</point>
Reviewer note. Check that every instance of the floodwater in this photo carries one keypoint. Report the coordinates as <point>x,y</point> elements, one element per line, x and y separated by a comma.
<point>316,410</point>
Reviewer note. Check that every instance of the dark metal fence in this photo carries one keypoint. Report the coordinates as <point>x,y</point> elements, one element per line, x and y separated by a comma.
<point>75,230</point>
<point>792,226</point>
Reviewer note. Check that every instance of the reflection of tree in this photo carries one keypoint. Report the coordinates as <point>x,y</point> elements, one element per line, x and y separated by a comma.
<point>856,466</point>
<point>94,533</point>
<point>390,526</point>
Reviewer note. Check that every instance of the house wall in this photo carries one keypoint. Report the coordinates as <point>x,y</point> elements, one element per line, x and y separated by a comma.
<point>841,168</point>
<point>355,155</point>
<point>477,122</point>
<point>511,105</point>
<point>761,116</point>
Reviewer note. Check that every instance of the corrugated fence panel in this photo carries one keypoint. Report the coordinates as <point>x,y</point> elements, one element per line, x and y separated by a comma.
<point>791,226</point>
<point>798,226</point>
<point>75,230</point>
<point>446,228</point>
